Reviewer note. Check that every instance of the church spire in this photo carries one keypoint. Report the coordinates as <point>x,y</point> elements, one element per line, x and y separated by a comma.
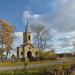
<point>25,34</point>
<point>26,28</point>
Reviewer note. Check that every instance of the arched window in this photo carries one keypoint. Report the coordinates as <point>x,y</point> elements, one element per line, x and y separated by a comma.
<point>21,52</point>
<point>28,37</point>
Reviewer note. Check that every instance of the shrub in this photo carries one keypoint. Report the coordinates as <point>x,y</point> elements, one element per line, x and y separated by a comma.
<point>46,55</point>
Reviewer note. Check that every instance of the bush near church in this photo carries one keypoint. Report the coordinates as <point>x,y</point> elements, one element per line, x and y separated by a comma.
<point>46,55</point>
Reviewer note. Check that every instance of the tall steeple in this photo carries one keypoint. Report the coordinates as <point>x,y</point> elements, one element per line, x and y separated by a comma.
<point>25,34</point>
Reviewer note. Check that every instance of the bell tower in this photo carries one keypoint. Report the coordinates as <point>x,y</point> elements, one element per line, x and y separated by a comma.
<point>28,38</point>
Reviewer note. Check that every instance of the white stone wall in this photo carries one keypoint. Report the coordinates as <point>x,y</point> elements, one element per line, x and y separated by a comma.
<point>26,49</point>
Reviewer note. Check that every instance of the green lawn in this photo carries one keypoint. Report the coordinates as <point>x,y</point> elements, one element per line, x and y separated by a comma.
<point>22,63</point>
<point>11,64</point>
<point>72,59</point>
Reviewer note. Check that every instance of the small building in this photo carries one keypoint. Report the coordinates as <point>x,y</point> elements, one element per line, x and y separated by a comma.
<point>27,50</point>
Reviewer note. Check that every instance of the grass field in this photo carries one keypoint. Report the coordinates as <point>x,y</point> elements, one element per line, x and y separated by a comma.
<point>39,70</point>
<point>17,63</point>
<point>67,60</point>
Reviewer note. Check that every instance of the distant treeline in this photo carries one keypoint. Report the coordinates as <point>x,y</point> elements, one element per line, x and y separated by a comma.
<point>65,54</point>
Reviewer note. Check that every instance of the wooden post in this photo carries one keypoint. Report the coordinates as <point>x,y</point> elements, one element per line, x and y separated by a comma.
<point>69,71</point>
<point>62,72</point>
<point>55,72</point>
<point>58,72</point>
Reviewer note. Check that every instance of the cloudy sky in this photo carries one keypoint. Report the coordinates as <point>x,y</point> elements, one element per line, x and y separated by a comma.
<point>57,15</point>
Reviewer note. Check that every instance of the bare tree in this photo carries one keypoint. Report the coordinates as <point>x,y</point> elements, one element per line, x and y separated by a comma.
<point>41,35</point>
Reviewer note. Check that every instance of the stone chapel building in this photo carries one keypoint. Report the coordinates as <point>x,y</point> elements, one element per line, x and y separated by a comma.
<point>27,50</point>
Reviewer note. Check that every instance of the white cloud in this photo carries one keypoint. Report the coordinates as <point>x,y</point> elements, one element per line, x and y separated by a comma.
<point>33,18</point>
<point>60,17</point>
<point>18,39</point>
<point>60,20</point>
<point>27,14</point>
<point>60,41</point>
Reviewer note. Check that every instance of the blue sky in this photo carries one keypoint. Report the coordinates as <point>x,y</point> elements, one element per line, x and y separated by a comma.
<point>12,10</point>
<point>57,15</point>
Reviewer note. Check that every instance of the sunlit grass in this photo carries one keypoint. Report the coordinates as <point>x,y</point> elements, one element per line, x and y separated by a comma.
<point>18,63</point>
